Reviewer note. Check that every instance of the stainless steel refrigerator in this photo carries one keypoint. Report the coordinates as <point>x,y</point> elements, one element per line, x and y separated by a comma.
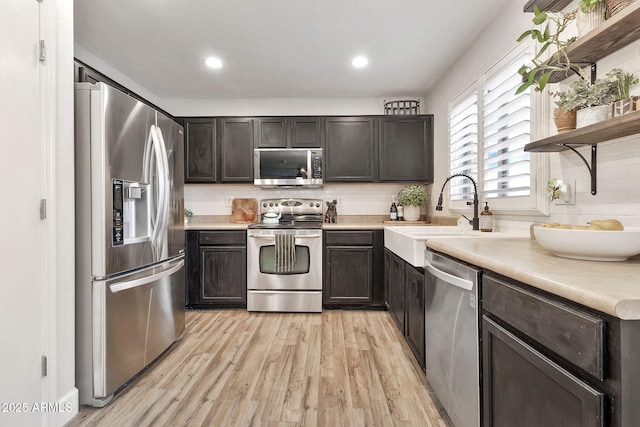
<point>130,295</point>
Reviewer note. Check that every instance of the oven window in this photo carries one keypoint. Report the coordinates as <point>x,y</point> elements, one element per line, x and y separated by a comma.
<point>268,258</point>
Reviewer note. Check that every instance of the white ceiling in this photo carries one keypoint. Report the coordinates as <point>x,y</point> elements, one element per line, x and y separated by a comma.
<point>281,48</point>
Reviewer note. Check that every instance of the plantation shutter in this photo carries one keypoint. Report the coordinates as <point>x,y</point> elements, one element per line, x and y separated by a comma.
<point>463,146</point>
<point>506,130</point>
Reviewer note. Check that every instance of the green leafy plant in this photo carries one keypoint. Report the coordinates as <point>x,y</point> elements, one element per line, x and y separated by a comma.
<point>547,30</point>
<point>621,83</point>
<point>413,195</point>
<point>567,100</point>
<point>587,5</point>
<point>188,213</point>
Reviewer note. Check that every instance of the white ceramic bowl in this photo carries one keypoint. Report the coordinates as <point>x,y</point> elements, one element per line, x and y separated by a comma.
<point>593,245</point>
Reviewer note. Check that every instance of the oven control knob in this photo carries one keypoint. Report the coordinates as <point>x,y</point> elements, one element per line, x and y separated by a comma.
<point>311,204</point>
<point>276,204</point>
<point>264,205</point>
<point>271,204</point>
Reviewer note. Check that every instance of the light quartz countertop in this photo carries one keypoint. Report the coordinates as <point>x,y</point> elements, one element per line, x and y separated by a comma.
<point>345,222</point>
<point>610,287</point>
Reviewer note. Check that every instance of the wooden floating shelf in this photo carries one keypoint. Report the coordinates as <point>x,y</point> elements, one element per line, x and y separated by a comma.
<point>615,33</point>
<point>550,5</point>
<point>618,127</point>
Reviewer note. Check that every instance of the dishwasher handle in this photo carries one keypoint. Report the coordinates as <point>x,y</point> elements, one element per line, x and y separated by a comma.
<point>449,278</point>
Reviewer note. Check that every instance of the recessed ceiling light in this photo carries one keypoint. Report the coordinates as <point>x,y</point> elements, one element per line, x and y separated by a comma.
<point>359,61</point>
<point>213,62</point>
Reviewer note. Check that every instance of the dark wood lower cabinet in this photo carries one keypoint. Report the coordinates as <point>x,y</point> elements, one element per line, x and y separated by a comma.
<point>524,388</point>
<point>353,275</point>
<point>404,299</point>
<point>414,311</point>
<point>547,361</point>
<point>216,269</point>
<point>394,287</point>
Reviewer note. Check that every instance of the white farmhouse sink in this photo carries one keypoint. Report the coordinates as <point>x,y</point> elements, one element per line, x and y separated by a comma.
<point>408,242</point>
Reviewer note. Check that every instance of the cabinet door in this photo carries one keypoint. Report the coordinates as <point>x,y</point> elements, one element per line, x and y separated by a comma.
<point>414,305</point>
<point>200,150</point>
<point>348,275</point>
<point>236,136</point>
<point>524,388</point>
<point>405,149</point>
<point>305,132</point>
<point>271,132</point>
<point>223,276</point>
<point>394,274</point>
<point>349,149</point>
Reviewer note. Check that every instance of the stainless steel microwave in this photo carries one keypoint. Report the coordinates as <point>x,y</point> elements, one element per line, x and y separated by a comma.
<point>288,167</point>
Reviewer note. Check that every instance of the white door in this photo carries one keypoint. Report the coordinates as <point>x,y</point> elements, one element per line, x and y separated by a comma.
<point>22,255</point>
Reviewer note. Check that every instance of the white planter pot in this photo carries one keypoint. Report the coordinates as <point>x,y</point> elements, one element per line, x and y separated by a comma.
<point>591,115</point>
<point>588,21</point>
<point>411,213</point>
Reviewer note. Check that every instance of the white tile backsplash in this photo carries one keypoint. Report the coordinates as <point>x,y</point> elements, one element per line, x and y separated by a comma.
<point>353,199</point>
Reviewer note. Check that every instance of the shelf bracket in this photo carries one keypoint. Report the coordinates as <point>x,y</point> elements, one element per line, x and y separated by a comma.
<point>592,71</point>
<point>593,167</point>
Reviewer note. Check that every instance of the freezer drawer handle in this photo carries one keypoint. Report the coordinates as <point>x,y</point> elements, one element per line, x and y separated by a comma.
<point>448,278</point>
<point>123,286</point>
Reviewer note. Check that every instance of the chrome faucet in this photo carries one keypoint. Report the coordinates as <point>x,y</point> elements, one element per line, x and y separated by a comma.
<point>475,222</point>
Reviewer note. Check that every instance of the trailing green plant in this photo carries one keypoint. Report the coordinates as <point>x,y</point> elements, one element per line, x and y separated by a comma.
<point>547,31</point>
<point>413,195</point>
<point>587,5</point>
<point>582,94</point>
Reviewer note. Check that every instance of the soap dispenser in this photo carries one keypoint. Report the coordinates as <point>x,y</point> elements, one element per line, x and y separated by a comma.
<point>486,219</point>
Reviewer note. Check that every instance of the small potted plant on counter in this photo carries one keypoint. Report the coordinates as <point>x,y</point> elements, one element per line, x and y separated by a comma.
<point>187,215</point>
<point>412,197</point>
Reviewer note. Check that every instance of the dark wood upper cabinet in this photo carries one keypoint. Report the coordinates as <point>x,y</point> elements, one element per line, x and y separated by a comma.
<point>200,150</point>
<point>405,149</point>
<point>349,149</point>
<point>236,147</point>
<point>288,132</point>
<point>305,132</point>
<point>271,132</point>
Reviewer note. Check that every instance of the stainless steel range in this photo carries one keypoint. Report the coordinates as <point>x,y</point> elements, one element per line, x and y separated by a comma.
<point>284,257</point>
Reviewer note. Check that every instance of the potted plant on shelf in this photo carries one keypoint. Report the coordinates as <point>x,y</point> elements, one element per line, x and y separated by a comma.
<point>564,115</point>
<point>590,14</point>
<point>412,197</point>
<point>624,102</point>
<point>548,29</point>
<point>593,101</point>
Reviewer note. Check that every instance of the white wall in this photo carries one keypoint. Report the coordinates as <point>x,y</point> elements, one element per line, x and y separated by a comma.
<point>618,161</point>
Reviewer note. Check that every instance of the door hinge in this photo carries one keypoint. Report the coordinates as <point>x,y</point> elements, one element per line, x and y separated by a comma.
<point>43,51</point>
<point>43,365</point>
<point>43,208</point>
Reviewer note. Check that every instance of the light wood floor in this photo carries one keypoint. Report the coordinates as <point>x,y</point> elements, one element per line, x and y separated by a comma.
<point>234,368</point>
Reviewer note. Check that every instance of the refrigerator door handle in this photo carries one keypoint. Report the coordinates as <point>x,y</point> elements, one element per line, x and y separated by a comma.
<point>154,151</point>
<point>123,286</point>
<point>166,196</point>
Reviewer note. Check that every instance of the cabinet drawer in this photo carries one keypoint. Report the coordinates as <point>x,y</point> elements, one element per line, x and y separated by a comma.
<point>574,335</point>
<point>222,238</point>
<point>349,238</point>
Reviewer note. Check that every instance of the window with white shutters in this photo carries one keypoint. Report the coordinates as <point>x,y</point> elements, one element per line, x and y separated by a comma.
<point>489,125</point>
<point>463,146</point>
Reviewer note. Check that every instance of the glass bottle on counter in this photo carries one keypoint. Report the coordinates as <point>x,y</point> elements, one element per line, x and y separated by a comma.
<point>393,212</point>
<point>400,211</point>
<point>486,219</point>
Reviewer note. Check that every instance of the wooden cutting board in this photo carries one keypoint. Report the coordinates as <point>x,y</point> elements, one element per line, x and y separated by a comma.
<point>244,211</point>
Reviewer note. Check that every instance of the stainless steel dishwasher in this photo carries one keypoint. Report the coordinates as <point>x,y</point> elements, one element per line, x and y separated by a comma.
<point>451,337</point>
